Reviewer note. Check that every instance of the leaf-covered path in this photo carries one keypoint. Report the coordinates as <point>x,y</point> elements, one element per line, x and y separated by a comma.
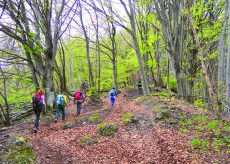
<point>146,142</point>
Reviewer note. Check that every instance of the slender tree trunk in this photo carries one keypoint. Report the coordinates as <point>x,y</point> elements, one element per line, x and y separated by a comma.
<point>6,115</point>
<point>145,86</point>
<point>212,96</point>
<point>114,74</point>
<point>157,57</point>
<point>98,55</point>
<point>152,73</point>
<point>168,74</point>
<point>91,80</point>
<point>169,13</point>
<point>228,64</point>
<point>222,48</point>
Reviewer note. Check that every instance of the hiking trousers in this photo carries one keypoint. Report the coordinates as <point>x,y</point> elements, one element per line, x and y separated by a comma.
<point>37,112</point>
<point>60,108</point>
<point>112,100</point>
<point>79,106</point>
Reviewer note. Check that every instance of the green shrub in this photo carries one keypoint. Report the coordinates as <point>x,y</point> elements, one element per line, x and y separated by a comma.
<point>200,119</point>
<point>189,121</point>
<point>196,142</point>
<point>213,124</point>
<point>126,117</point>
<point>204,143</point>
<point>200,103</point>
<point>92,91</point>
<point>226,126</point>
<point>88,139</point>
<point>172,84</point>
<point>94,118</point>
<point>107,130</point>
<point>101,126</point>
<point>217,144</point>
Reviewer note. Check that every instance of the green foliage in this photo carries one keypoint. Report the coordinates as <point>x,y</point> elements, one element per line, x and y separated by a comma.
<point>19,152</point>
<point>213,55</point>
<point>164,94</point>
<point>88,139</point>
<point>201,119</point>
<point>92,91</point>
<point>217,144</point>
<point>107,130</point>
<point>126,117</point>
<point>208,133</point>
<point>19,85</point>
<point>181,124</point>
<point>200,103</point>
<point>213,124</point>
<point>94,118</point>
<point>196,142</point>
<point>172,83</point>
<point>101,125</point>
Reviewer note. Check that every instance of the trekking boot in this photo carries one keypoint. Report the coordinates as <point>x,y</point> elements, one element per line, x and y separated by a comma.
<point>35,130</point>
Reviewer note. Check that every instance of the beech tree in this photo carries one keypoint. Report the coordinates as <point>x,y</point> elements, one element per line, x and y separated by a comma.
<point>130,11</point>
<point>38,26</point>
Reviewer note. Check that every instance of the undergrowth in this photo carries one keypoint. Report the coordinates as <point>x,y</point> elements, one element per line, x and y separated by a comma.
<point>107,129</point>
<point>19,152</point>
<point>208,133</point>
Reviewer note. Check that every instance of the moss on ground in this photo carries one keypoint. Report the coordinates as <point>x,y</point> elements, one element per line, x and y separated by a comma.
<point>107,130</point>
<point>19,152</point>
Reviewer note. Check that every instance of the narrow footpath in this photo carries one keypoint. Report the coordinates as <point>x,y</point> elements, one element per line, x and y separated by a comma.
<point>146,142</point>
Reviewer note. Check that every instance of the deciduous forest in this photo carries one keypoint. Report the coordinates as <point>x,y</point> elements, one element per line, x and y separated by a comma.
<point>168,60</point>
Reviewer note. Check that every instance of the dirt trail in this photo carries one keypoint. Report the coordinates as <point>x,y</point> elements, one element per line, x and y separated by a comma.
<point>145,143</point>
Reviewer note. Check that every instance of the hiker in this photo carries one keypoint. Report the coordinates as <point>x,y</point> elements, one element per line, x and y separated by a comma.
<point>139,86</point>
<point>112,95</point>
<point>61,103</point>
<point>79,99</point>
<point>38,101</point>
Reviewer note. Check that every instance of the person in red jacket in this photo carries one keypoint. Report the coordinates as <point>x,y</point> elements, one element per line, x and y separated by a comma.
<point>79,99</point>
<point>38,101</point>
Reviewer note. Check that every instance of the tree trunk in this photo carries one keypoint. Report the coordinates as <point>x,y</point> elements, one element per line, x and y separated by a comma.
<point>222,49</point>
<point>91,80</point>
<point>180,82</point>
<point>228,65</point>
<point>152,73</point>
<point>145,86</point>
<point>212,96</point>
<point>114,74</point>
<point>169,13</point>
<point>157,57</point>
<point>6,116</point>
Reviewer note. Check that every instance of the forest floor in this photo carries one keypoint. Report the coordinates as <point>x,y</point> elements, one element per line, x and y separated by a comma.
<point>153,137</point>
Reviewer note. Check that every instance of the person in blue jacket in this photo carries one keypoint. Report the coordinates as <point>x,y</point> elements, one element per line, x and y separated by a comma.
<point>112,95</point>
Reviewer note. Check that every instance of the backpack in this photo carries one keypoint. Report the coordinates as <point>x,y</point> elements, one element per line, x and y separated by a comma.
<point>36,99</point>
<point>112,93</point>
<point>60,100</point>
<point>78,95</point>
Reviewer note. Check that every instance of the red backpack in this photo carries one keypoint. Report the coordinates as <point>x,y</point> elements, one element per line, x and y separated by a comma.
<point>36,99</point>
<point>77,95</point>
